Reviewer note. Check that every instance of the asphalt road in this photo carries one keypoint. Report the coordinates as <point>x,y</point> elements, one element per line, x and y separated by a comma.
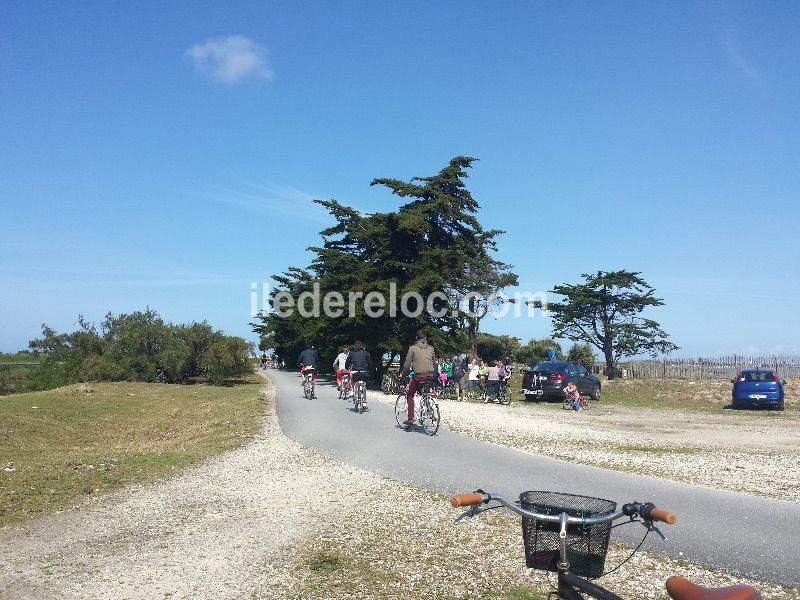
<point>746,535</point>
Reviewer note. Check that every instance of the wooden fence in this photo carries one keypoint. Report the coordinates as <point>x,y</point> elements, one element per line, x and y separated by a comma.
<point>724,367</point>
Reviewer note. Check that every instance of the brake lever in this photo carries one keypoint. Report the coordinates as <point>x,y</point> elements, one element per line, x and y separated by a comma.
<point>473,511</point>
<point>652,527</point>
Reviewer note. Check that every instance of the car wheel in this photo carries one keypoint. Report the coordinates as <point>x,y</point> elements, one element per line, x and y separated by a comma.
<point>596,393</point>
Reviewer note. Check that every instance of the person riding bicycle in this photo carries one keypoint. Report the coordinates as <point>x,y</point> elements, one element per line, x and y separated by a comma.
<point>420,354</point>
<point>308,361</point>
<point>359,363</point>
<point>263,360</point>
<point>573,396</point>
<point>339,365</point>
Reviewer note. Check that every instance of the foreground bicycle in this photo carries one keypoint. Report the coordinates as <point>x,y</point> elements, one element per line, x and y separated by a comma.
<point>426,410</point>
<point>569,534</point>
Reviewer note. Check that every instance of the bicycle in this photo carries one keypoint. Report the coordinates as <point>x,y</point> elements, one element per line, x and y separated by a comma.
<point>390,383</point>
<point>503,395</point>
<point>344,386</point>
<point>569,534</point>
<point>308,382</point>
<point>360,394</point>
<point>583,404</point>
<point>446,390</point>
<point>426,411</point>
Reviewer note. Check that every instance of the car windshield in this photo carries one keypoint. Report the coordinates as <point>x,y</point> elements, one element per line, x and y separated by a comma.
<point>756,376</point>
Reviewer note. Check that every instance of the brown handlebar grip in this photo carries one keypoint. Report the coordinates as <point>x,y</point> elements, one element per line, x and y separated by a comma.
<point>466,500</point>
<point>659,514</point>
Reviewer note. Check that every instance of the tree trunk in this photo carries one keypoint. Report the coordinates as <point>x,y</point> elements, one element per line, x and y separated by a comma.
<point>382,366</point>
<point>609,356</point>
<point>472,330</point>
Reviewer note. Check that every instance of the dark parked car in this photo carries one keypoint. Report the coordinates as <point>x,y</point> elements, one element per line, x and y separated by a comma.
<point>547,380</point>
<point>757,388</point>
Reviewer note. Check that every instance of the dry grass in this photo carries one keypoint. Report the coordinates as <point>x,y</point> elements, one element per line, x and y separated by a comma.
<point>79,440</point>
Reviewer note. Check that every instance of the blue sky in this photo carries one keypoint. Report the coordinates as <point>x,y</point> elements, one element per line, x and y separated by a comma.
<point>165,154</point>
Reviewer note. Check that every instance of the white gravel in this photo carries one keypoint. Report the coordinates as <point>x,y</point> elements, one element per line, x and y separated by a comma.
<point>275,520</point>
<point>755,454</point>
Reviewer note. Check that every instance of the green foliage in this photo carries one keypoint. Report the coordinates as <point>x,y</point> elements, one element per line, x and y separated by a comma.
<point>583,354</point>
<point>138,347</point>
<point>433,243</point>
<point>536,351</point>
<point>227,358</point>
<point>496,347</point>
<point>604,311</point>
<point>16,371</point>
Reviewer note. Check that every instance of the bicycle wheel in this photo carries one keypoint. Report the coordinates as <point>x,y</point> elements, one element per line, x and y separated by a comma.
<point>360,399</point>
<point>566,405</point>
<point>505,395</point>
<point>306,389</point>
<point>401,411</point>
<point>429,412</point>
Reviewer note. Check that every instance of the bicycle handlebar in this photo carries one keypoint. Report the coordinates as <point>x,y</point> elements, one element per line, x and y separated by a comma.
<point>466,500</point>
<point>646,510</point>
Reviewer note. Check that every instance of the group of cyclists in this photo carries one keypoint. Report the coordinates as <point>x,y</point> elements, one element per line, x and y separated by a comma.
<point>272,361</point>
<point>355,364</point>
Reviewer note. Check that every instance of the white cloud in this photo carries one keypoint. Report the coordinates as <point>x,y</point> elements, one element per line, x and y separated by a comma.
<point>737,57</point>
<point>230,59</point>
<point>270,199</point>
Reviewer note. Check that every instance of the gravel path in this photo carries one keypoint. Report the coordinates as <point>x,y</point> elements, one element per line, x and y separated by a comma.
<point>276,520</point>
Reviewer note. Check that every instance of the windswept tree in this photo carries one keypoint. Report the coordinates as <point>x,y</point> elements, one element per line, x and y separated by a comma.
<point>605,311</point>
<point>430,248</point>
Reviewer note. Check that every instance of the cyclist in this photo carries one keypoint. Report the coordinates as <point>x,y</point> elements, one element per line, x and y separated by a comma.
<point>339,365</point>
<point>421,355</point>
<point>359,363</point>
<point>264,360</point>
<point>308,361</point>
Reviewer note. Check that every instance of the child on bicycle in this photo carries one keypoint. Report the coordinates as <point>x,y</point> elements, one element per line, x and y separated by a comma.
<point>576,401</point>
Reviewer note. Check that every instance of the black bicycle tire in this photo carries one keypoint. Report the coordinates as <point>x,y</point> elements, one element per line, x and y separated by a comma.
<point>430,404</point>
<point>404,407</point>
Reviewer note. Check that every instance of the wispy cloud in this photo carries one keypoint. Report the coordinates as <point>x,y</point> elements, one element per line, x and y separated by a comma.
<point>737,57</point>
<point>230,59</point>
<point>269,199</point>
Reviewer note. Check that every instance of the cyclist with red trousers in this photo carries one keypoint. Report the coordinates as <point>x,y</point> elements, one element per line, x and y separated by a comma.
<point>421,356</point>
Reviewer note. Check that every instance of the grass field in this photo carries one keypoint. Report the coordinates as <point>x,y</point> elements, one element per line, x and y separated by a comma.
<point>76,441</point>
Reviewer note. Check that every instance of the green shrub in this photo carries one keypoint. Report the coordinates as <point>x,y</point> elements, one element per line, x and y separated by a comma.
<point>138,347</point>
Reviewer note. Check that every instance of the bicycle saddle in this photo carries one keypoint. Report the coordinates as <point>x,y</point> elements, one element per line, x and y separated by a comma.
<point>682,589</point>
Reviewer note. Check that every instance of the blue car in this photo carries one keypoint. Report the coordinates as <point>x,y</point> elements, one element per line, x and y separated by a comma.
<point>757,388</point>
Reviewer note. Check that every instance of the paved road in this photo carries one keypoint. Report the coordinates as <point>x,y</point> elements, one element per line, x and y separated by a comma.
<point>746,535</point>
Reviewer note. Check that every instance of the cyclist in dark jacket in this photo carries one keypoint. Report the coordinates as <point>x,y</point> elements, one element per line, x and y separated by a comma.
<point>308,359</point>
<point>359,363</point>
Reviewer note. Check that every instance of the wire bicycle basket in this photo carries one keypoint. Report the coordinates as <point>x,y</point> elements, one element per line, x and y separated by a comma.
<point>586,544</point>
